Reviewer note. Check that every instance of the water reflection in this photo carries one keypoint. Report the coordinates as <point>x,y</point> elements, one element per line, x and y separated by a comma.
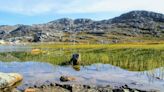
<point>99,74</point>
<point>76,67</point>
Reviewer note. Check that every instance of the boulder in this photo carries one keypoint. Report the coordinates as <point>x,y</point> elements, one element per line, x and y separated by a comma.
<point>75,60</point>
<point>9,80</point>
<point>67,78</point>
<point>37,51</point>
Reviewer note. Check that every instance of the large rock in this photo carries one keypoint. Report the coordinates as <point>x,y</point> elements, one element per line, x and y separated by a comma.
<point>47,36</point>
<point>75,60</point>
<point>8,80</point>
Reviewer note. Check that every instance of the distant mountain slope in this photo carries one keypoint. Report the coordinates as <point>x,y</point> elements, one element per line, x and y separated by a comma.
<point>140,16</point>
<point>134,24</point>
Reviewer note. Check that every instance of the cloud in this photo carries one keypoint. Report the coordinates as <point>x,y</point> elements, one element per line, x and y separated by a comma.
<point>36,7</point>
<point>91,6</point>
<point>28,7</point>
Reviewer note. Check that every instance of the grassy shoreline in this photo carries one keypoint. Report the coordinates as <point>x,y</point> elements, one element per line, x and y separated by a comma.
<point>130,56</point>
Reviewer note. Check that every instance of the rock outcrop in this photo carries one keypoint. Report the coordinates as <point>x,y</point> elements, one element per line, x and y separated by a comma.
<point>9,80</point>
<point>131,24</point>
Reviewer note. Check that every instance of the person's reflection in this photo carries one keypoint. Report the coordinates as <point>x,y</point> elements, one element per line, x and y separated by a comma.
<point>76,67</point>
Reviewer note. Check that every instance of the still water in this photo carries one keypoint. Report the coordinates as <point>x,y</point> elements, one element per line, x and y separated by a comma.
<point>35,72</point>
<point>96,74</point>
<point>12,48</point>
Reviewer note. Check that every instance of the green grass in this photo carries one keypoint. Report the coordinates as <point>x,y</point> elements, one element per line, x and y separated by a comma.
<point>134,57</point>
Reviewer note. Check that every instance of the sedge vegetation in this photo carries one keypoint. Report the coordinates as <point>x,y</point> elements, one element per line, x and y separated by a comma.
<point>130,56</point>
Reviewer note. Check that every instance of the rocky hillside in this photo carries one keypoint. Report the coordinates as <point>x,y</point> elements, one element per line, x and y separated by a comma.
<point>131,26</point>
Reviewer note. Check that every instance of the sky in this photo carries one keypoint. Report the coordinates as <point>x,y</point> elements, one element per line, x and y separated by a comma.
<point>29,12</point>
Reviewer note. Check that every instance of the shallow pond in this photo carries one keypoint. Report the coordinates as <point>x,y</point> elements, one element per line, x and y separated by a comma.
<point>135,73</point>
<point>97,74</point>
<point>13,48</point>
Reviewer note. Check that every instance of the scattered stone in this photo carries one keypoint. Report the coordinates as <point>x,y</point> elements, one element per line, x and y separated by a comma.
<point>82,88</point>
<point>126,90</point>
<point>67,78</point>
<point>31,90</point>
<point>158,78</point>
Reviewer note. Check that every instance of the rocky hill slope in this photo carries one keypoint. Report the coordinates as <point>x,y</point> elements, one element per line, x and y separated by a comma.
<point>131,26</point>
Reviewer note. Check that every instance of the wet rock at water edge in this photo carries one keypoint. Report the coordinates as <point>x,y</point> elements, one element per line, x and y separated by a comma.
<point>9,81</point>
<point>67,78</point>
<point>31,90</point>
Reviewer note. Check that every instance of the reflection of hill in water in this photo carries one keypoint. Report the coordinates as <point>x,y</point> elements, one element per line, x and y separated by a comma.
<point>100,74</point>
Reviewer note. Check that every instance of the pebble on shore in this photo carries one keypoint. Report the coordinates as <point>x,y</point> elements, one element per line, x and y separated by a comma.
<point>67,78</point>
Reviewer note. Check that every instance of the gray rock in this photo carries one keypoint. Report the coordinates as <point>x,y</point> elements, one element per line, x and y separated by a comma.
<point>145,22</point>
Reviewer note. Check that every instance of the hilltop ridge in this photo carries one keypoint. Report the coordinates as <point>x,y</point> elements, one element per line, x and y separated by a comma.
<point>126,27</point>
